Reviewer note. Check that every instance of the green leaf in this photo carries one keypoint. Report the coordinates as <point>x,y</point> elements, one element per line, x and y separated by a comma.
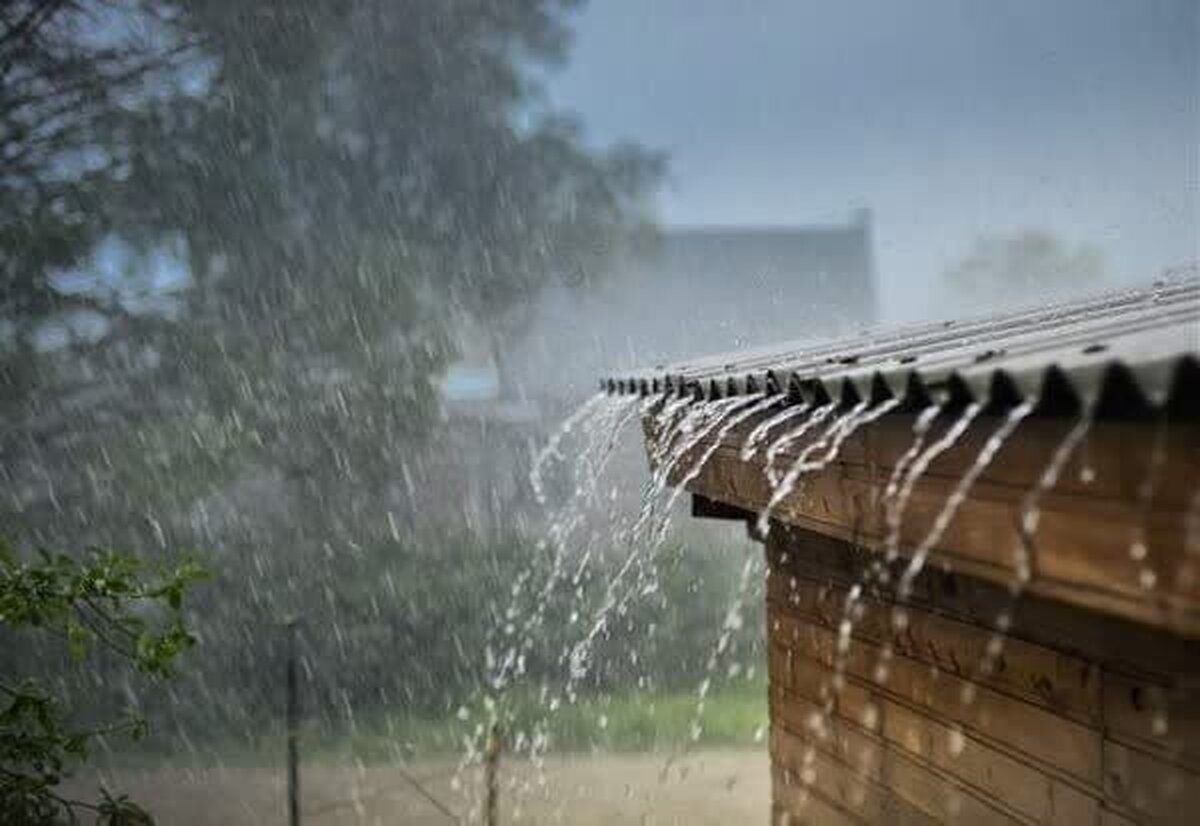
<point>79,639</point>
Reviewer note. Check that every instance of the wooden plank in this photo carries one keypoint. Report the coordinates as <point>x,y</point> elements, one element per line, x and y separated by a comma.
<point>995,778</point>
<point>1065,684</point>
<point>1022,728</point>
<point>1110,642</point>
<point>999,778</point>
<point>1163,720</point>
<point>1155,789</point>
<point>896,788</point>
<point>1004,779</point>
<point>1083,545</point>
<point>842,785</point>
<point>1118,455</point>
<point>796,805</point>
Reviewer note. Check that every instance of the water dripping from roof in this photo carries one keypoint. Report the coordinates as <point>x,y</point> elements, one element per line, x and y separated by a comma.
<point>712,415</point>
<point>818,415</point>
<point>831,442</point>
<point>959,494</point>
<point>550,451</point>
<point>760,431</point>
<point>1024,553</point>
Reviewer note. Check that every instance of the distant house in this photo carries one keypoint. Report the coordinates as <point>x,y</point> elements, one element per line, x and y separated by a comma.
<point>700,289</point>
<point>696,289</point>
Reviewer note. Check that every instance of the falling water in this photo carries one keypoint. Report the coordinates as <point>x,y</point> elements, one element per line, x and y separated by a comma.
<point>916,470</point>
<point>819,415</point>
<point>1024,554</point>
<point>851,610</point>
<point>714,444</point>
<point>1030,515</point>
<point>732,624</point>
<point>1139,542</point>
<point>599,423</point>
<point>600,435</point>
<point>760,431</point>
<point>699,423</point>
<point>831,441</point>
<point>717,412</point>
<point>550,451</point>
<point>959,494</point>
<point>895,514</point>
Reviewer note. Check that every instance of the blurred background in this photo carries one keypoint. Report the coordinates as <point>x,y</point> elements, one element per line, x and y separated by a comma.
<point>298,290</point>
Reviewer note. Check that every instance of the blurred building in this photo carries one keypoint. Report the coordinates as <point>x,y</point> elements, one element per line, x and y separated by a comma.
<point>702,289</point>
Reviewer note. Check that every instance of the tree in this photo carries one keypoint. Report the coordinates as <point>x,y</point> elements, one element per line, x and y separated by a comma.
<point>344,183</point>
<point>74,75</point>
<point>1024,268</point>
<point>102,599</point>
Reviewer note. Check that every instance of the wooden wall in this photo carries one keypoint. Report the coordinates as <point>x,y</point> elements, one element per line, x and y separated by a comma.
<point>1086,718</point>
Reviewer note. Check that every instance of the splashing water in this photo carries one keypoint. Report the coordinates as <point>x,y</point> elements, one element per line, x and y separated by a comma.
<point>760,431</point>
<point>731,625</point>
<point>721,416</point>
<point>832,440</point>
<point>700,422</point>
<point>1139,542</point>
<point>714,444</point>
<point>895,516</point>
<point>916,470</point>
<point>1024,554</point>
<point>1025,557</point>
<point>878,569</point>
<point>550,451</point>
<point>959,495</point>
<point>599,423</point>
<point>818,415</point>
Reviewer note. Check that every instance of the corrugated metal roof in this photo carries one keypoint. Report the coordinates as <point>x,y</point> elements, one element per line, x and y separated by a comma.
<point>1125,353</point>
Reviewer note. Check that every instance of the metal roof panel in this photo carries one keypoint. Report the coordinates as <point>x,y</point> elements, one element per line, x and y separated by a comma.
<point>1120,352</point>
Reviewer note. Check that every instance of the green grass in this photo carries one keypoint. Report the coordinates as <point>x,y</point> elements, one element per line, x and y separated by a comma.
<point>733,717</point>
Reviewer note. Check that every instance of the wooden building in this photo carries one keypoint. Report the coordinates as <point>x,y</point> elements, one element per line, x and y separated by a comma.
<point>1043,664</point>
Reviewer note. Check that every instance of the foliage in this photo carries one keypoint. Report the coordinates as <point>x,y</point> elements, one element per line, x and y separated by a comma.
<point>1028,264</point>
<point>73,76</point>
<point>103,599</point>
<point>342,186</point>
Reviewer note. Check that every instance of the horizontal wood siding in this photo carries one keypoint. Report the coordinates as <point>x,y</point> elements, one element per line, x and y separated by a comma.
<point>1084,719</point>
<point>1128,483</point>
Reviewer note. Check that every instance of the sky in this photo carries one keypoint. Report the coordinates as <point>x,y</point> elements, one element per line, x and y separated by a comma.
<point>948,119</point>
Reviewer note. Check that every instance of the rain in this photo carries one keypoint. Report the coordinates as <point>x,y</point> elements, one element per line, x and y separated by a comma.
<point>565,412</point>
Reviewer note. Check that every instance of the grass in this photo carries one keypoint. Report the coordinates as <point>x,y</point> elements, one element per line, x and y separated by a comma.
<point>734,716</point>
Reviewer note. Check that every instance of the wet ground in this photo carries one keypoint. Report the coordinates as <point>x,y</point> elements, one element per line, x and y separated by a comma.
<point>718,787</point>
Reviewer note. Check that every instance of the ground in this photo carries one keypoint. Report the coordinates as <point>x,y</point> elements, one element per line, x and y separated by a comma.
<point>711,787</point>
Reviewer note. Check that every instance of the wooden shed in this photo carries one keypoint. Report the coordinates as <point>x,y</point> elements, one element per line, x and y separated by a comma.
<point>984,585</point>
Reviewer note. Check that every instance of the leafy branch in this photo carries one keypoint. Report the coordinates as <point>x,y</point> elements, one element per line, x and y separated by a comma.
<point>104,600</point>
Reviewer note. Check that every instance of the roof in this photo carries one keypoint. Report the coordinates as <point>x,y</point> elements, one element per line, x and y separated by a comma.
<point>1121,353</point>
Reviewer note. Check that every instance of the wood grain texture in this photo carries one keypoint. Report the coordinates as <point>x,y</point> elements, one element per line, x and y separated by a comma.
<point>1128,487</point>
<point>1073,727</point>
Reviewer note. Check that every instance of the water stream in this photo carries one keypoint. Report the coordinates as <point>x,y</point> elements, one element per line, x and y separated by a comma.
<point>1025,550</point>
<point>818,415</point>
<point>833,439</point>
<point>763,429</point>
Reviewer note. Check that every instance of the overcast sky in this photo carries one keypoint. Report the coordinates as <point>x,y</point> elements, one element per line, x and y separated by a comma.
<point>948,118</point>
